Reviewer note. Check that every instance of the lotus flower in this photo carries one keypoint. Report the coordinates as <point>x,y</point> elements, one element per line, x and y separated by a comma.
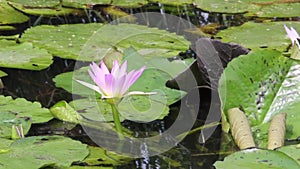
<point>114,83</point>
<point>293,35</point>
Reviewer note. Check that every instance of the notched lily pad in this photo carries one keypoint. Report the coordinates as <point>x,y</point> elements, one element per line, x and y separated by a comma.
<point>259,35</point>
<point>10,120</point>
<point>90,42</point>
<point>23,56</point>
<point>8,15</point>
<point>41,151</point>
<point>264,8</point>
<point>42,7</point>
<point>24,108</point>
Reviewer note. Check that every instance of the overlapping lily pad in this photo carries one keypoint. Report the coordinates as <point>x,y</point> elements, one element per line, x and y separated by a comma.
<point>268,88</point>
<point>256,158</point>
<point>84,3</point>
<point>263,8</point>
<point>10,121</point>
<point>23,56</point>
<point>91,42</point>
<point>42,151</point>
<point>2,74</point>
<point>9,15</point>
<point>42,7</point>
<point>259,35</point>
<point>24,108</point>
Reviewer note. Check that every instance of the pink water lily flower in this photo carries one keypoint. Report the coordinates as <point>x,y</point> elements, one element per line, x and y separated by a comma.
<point>114,83</point>
<point>293,35</point>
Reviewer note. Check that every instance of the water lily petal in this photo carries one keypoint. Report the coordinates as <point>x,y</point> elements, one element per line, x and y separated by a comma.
<point>140,93</point>
<point>109,78</point>
<point>292,34</point>
<point>117,86</point>
<point>91,86</point>
<point>115,68</point>
<point>104,68</point>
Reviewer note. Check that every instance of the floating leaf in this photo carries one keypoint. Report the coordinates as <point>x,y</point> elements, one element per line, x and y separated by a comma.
<point>256,158</point>
<point>99,156</point>
<point>292,151</point>
<point>10,119</point>
<point>41,151</point>
<point>63,111</point>
<point>173,2</point>
<point>92,42</point>
<point>263,83</point>
<point>259,35</point>
<point>2,74</point>
<point>24,108</point>
<point>23,56</point>
<point>129,3</point>
<point>264,8</point>
<point>42,7</point>
<point>8,15</point>
<point>84,3</point>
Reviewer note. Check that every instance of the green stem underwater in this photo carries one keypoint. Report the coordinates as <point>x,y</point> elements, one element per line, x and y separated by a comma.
<point>117,122</point>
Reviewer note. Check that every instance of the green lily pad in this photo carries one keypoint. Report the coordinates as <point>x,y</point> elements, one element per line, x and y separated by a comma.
<point>8,15</point>
<point>262,8</point>
<point>42,7</point>
<point>292,150</point>
<point>173,2</point>
<point>259,35</point>
<point>23,56</point>
<point>256,158</point>
<point>63,111</point>
<point>129,3</point>
<point>42,151</point>
<point>4,145</point>
<point>278,10</point>
<point>135,108</point>
<point>84,3</point>
<point>263,83</point>
<point>24,108</point>
<point>99,156</point>
<point>2,74</point>
<point>90,42</point>
<point>7,28</point>
<point>10,120</point>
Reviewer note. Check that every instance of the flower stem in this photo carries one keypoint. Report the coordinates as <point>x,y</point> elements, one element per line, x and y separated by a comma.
<point>117,121</point>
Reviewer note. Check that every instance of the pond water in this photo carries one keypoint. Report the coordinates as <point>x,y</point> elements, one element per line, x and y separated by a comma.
<point>192,152</point>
